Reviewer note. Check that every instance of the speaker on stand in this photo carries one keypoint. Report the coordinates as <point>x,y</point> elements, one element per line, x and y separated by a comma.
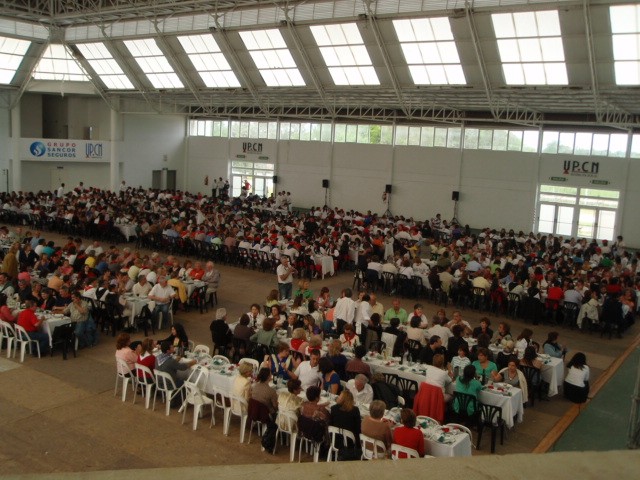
<point>387,197</point>
<point>325,185</point>
<point>455,196</point>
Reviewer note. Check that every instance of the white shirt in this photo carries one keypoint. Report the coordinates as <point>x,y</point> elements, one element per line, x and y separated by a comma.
<point>363,315</point>
<point>438,377</point>
<point>345,309</point>
<point>577,377</point>
<point>309,376</point>
<point>363,397</point>
<point>443,332</point>
<point>141,290</point>
<point>162,292</point>
<point>282,270</point>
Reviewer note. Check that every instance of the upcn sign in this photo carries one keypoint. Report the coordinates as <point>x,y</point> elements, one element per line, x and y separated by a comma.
<point>93,150</point>
<point>251,147</point>
<point>581,169</point>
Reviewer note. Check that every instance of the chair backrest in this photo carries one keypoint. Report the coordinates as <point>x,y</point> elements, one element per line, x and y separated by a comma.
<point>63,333</point>
<point>346,435</point>
<point>287,421</point>
<point>201,348</point>
<point>220,358</point>
<point>258,411</point>
<point>7,329</point>
<point>463,401</point>
<point>490,414</point>
<point>122,367</point>
<point>532,374</point>
<point>372,448</point>
<point>164,382</point>
<point>571,306</point>
<point>21,334</point>
<point>253,362</point>
<point>378,346</point>
<point>399,452</point>
<point>144,374</point>
<point>311,429</point>
<point>194,394</point>
<point>238,405</point>
<point>479,291</point>
<point>198,376</point>
<point>514,297</point>
<point>462,428</point>
<point>420,419</point>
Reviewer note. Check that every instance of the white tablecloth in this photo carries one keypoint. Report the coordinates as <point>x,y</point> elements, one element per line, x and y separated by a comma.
<point>128,231</point>
<point>511,406</point>
<point>191,285</point>
<point>552,372</point>
<point>327,264</point>
<point>219,381</point>
<point>135,304</point>
<point>460,447</point>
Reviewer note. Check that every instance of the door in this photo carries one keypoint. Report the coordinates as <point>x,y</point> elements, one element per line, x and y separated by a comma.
<point>556,219</point>
<point>58,177</point>
<point>597,223</point>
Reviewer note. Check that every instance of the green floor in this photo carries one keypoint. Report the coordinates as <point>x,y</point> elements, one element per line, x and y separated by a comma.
<point>604,422</point>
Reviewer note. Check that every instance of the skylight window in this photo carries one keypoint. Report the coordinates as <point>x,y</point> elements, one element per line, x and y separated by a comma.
<point>12,52</point>
<point>153,63</point>
<point>625,27</point>
<point>105,66</point>
<point>531,48</point>
<point>430,51</point>
<point>273,58</point>
<point>57,63</point>
<point>210,63</point>
<point>345,54</point>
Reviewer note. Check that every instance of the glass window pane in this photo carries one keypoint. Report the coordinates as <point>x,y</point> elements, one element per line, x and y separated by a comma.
<point>326,132</point>
<point>547,197</point>
<point>285,130</point>
<point>547,218</point>
<point>273,130</point>
<point>340,133</point>
<point>352,133</point>
<point>618,145</point>
<point>606,225</point>
<point>263,130</point>
<point>471,138</point>
<point>386,135</point>
<point>598,202</point>
<point>565,221</point>
<point>558,189</point>
<point>316,129</point>
<point>440,137</point>
<point>592,192</point>
<point>566,142</point>
<point>294,132</point>
<point>253,129</point>
<point>235,129</point>
<point>224,129</point>
<point>453,138</point>
<point>515,141</point>
<point>530,141</point>
<point>600,144</point>
<point>635,146</point>
<point>375,132</point>
<point>586,222</point>
<point>427,136</point>
<point>414,136</point>
<point>305,131</point>
<point>402,134</point>
<point>363,133</point>
<point>485,140</point>
<point>583,143</point>
<point>500,139</point>
<point>550,142</point>
<point>244,129</point>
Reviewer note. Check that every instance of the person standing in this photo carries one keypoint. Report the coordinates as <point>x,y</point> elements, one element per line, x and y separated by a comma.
<point>60,191</point>
<point>285,273</point>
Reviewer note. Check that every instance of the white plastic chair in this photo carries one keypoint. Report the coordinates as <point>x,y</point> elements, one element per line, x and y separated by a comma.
<point>167,388</point>
<point>143,377</point>
<point>198,399</point>
<point>221,400</point>
<point>198,376</point>
<point>332,455</point>
<point>170,316</point>
<point>409,452</point>
<point>238,408</point>
<point>221,358</point>
<point>431,423</point>
<point>123,373</point>
<point>191,345</point>
<point>372,448</point>
<point>287,424</point>
<point>23,340</point>
<point>462,428</point>
<point>7,333</point>
<point>401,401</point>
<point>253,362</point>
<point>200,348</point>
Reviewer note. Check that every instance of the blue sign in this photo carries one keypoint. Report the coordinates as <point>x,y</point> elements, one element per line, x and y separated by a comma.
<point>93,150</point>
<point>38,149</point>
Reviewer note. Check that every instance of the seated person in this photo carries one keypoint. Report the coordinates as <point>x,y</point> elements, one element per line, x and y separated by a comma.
<point>483,328</point>
<point>438,376</point>
<point>414,332</point>
<point>374,425</point>
<point>166,362</point>
<point>468,384</point>
<point>349,337</point>
<point>345,414</point>
<point>384,391</point>
<point>312,408</point>
<point>408,435</point>
<point>356,365</point>
<point>334,353</point>
<point>483,366</point>
<point>360,389</point>
<point>512,375</point>
<point>282,364</point>
<point>220,332</point>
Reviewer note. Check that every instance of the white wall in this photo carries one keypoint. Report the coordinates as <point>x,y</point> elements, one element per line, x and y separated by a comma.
<point>301,168</point>
<point>146,139</point>
<point>86,112</point>
<point>207,156</point>
<point>5,145</point>
<point>46,175</point>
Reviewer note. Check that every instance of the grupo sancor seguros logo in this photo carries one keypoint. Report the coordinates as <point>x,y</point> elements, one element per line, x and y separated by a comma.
<point>38,149</point>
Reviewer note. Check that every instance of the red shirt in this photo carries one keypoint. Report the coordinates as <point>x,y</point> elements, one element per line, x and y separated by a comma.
<point>196,274</point>
<point>410,438</point>
<point>27,319</point>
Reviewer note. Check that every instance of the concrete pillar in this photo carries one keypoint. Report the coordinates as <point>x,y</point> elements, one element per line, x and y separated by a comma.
<point>114,167</point>
<point>16,163</point>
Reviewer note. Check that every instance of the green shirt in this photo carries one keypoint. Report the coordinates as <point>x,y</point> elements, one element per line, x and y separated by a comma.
<point>471,388</point>
<point>487,371</point>
<point>401,315</point>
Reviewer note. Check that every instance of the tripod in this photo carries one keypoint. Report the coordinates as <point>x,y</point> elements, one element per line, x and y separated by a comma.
<point>326,196</point>
<point>388,212</point>
<point>455,213</point>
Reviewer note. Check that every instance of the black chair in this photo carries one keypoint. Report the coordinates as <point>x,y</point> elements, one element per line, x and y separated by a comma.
<point>418,286</point>
<point>372,279</point>
<point>479,298</point>
<point>391,378</point>
<point>350,375</point>
<point>465,403</point>
<point>313,433</point>
<point>358,279</point>
<point>65,336</point>
<point>490,416</point>
<point>570,313</point>
<point>408,390</point>
<point>378,346</point>
<point>113,318</point>
<point>144,320</point>
<point>389,282</point>
<point>198,299</point>
<point>532,374</point>
<point>413,349</point>
<point>513,304</point>
<point>240,349</point>
<point>404,285</point>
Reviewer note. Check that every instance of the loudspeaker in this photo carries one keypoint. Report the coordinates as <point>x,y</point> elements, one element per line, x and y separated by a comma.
<point>455,196</point>
<point>275,179</point>
<point>325,183</point>
<point>387,188</point>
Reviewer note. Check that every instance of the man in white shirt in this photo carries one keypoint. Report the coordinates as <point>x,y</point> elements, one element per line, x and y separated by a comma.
<point>344,311</point>
<point>308,373</point>
<point>162,293</point>
<point>440,330</point>
<point>360,389</point>
<point>362,317</point>
<point>142,288</point>
<point>285,273</point>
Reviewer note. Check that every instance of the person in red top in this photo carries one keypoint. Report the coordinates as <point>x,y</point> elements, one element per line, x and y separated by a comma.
<point>554,295</point>
<point>197,272</point>
<point>28,320</point>
<point>146,356</point>
<point>407,435</point>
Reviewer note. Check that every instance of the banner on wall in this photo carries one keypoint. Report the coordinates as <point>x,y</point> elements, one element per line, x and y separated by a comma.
<point>583,171</point>
<point>252,149</point>
<point>60,150</point>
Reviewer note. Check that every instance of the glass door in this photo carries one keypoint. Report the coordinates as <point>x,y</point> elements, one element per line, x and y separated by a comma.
<point>587,222</point>
<point>556,219</point>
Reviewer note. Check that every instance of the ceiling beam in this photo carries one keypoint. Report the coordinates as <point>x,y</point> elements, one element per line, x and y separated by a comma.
<point>29,68</point>
<point>84,65</point>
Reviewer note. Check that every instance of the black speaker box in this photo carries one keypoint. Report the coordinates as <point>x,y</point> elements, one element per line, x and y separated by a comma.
<point>387,188</point>
<point>325,183</point>
<point>455,196</point>
<point>275,179</point>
